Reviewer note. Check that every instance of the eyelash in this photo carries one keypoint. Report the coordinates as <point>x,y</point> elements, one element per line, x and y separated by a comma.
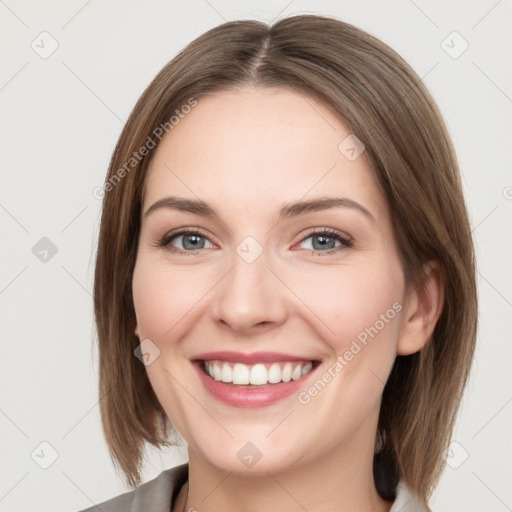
<point>346,241</point>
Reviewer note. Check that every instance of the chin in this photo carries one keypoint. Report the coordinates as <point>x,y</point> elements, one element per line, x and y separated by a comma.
<point>255,455</point>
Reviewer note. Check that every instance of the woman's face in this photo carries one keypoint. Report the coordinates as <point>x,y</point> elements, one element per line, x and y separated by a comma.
<point>275,285</point>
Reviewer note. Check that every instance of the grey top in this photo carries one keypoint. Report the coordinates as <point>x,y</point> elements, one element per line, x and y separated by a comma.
<point>158,495</point>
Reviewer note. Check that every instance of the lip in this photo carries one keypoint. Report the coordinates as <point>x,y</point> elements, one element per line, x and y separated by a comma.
<point>253,358</point>
<point>250,396</point>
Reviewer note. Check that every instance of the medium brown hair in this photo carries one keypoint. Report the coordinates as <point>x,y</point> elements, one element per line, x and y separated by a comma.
<point>384,103</point>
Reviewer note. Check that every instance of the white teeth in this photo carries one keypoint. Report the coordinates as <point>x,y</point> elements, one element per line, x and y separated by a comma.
<point>307,368</point>
<point>240,374</point>
<point>274,374</point>
<point>257,374</point>
<point>297,372</point>
<point>217,372</point>
<point>286,375</point>
<point>227,373</point>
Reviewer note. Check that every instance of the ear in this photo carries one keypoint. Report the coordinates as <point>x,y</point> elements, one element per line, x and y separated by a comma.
<point>423,308</point>
<point>136,331</point>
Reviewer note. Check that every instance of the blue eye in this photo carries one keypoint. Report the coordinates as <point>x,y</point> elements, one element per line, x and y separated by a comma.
<point>189,240</point>
<point>327,240</point>
<point>324,241</point>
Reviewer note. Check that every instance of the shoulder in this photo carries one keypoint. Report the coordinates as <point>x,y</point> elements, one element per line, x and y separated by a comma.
<point>156,495</point>
<point>405,501</point>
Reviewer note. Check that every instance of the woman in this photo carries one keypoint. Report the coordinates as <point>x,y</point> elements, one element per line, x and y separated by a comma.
<point>285,275</point>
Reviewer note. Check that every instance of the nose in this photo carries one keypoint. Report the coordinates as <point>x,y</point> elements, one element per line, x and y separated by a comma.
<point>250,299</point>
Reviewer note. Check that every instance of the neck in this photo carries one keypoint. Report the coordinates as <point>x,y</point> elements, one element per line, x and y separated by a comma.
<point>339,481</point>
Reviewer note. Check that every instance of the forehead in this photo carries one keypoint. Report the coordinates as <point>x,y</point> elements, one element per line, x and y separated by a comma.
<point>258,146</point>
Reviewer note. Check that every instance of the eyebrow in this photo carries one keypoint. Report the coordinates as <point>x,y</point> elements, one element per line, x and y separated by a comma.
<point>293,209</point>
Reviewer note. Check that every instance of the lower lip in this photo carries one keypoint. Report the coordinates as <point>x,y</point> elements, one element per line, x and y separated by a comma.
<point>249,397</point>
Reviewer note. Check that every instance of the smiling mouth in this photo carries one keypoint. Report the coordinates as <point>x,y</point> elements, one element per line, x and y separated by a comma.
<point>256,375</point>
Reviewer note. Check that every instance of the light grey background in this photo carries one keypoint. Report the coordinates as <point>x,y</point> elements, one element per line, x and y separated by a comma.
<point>60,118</point>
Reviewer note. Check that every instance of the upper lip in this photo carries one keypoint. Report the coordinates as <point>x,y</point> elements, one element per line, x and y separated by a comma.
<point>252,358</point>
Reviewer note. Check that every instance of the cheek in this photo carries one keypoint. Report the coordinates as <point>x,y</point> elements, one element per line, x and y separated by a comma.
<point>361,307</point>
<point>163,297</point>
<point>357,303</point>
<point>163,300</point>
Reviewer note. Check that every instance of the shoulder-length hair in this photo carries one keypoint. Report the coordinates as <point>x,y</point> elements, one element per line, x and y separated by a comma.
<point>385,104</point>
